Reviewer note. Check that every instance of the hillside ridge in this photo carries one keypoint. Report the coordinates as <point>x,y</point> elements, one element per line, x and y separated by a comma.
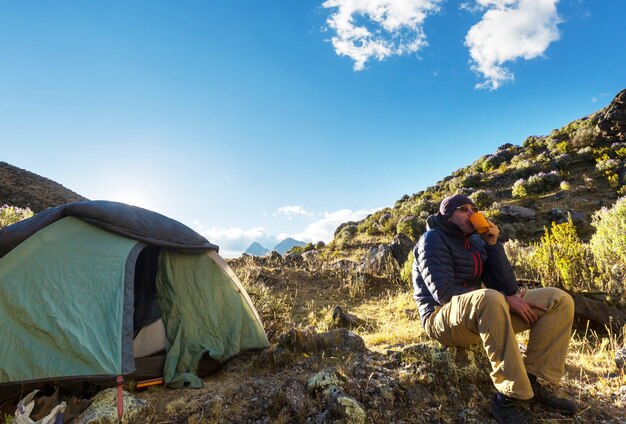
<point>25,189</point>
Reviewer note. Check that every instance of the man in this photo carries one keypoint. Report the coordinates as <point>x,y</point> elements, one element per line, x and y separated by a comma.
<point>451,265</point>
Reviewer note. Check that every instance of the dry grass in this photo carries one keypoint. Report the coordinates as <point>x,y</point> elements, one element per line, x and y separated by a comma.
<point>394,318</point>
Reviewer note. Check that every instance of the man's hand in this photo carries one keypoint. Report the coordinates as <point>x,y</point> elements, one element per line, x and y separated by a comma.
<point>491,235</point>
<point>519,306</point>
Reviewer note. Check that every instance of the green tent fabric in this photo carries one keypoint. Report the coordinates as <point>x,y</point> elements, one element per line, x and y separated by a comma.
<point>47,288</point>
<point>72,281</point>
<point>213,318</point>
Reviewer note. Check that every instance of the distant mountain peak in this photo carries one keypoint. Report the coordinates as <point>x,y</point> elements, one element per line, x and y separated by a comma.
<point>256,249</point>
<point>284,246</point>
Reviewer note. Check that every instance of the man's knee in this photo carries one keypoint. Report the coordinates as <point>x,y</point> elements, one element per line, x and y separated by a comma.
<point>489,298</point>
<point>564,301</point>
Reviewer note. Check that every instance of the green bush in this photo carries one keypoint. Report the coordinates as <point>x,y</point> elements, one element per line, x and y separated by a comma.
<point>406,273</point>
<point>608,245</point>
<point>519,188</point>
<point>560,259</point>
<point>537,183</point>
<point>583,137</point>
<point>483,198</point>
<point>411,226</point>
<point>492,162</point>
<point>12,214</point>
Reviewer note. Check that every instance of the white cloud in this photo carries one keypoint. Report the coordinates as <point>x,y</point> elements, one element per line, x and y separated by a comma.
<point>234,241</point>
<point>366,29</point>
<point>293,210</point>
<point>324,228</point>
<point>510,30</point>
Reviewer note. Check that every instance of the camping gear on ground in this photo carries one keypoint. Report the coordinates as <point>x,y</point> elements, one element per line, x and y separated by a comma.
<point>40,410</point>
<point>101,289</point>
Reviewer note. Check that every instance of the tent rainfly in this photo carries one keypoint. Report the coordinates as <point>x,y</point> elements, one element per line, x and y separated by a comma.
<point>101,289</point>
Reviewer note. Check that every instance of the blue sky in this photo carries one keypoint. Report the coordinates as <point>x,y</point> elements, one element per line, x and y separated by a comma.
<point>250,121</point>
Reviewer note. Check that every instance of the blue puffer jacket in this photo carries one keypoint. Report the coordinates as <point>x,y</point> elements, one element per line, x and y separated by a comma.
<point>447,263</point>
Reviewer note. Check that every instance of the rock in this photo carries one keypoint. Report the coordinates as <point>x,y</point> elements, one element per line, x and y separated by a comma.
<point>343,319</point>
<point>418,394</point>
<point>400,247</point>
<point>597,311</point>
<point>517,212</point>
<point>335,340</point>
<point>274,256</point>
<point>291,396</point>
<point>613,123</point>
<point>621,176</point>
<point>505,146</point>
<point>379,261</point>
<point>384,218</point>
<point>262,277</point>
<point>341,408</point>
<point>293,259</point>
<point>325,381</point>
<point>310,256</point>
<point>344,265</point>
<point>103,409</point>
<point>348,410</point>
<point>560,216</point>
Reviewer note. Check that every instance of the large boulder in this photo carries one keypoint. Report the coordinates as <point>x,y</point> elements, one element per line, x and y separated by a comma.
<point>400,247</point>
<point>613,123</point>
<point>379,260</point>
<point>513,213</point>
<point>331,341</point>
<point>560,215</point>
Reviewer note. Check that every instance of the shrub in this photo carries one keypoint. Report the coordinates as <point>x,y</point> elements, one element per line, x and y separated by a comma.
<point>410,226</point>
<point>483,198</point>
<point>349,231</point>
<point>562,147</point>
<point>561,259</point>
<point>586,153</point>
<point>519,188</point>
<point>492,162</point>
<point>607,165</point>
<point>372,231</point>
<point>542,182</point>
<point>608,245</point>
<point>518,254</point>
<point>406,273</point>
<point>613,180</point>
<point>583,137</point>
<point>274,309</point>
<point>12,214</point>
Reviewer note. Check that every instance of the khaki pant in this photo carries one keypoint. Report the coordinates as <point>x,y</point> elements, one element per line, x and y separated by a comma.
<point>483,315</point>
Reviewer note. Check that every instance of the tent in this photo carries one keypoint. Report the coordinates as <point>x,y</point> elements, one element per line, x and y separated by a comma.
<point>101,289</point>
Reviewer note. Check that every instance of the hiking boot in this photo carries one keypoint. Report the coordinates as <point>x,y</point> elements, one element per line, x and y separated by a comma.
<point>546,395</point>
<point>507,410</point>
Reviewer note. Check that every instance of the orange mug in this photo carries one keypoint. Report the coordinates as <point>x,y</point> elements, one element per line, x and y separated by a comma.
<point>479,222</point>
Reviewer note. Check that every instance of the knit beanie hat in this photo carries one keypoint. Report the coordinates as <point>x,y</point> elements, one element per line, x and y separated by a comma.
<point>450,203</point>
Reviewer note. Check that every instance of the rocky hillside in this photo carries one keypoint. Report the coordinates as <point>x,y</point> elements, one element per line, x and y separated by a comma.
<point>25,189</point>
<point>576,169</point>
